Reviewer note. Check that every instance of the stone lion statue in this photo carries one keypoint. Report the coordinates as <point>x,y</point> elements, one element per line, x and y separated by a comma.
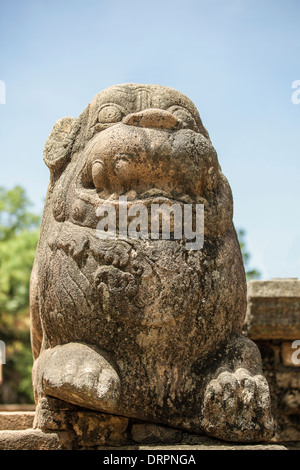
<point>141,327</point>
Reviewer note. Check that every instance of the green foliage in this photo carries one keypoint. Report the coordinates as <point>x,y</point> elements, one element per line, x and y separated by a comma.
<point>250,273</point>
<point>19,232</point>
<point>14,214</point>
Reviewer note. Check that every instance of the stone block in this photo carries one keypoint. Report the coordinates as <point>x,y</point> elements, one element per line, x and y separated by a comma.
<point>288,379</point>
<point>52,415</point>
<point>273,309</point>
<point>97,429</point>
<point>217,446</point>
<point>291,403</point>
<point>16,420</point>
<point>33,439</point>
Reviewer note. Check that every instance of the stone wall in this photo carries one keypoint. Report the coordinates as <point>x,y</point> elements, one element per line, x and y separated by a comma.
<point>273,322</point>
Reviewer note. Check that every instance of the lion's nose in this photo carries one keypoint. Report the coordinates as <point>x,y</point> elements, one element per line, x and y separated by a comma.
<point>153,117</point>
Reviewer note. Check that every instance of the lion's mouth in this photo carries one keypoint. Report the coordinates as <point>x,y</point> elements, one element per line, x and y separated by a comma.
<point>148,197</point>
<point>147,208</point>
<point>158,194</point>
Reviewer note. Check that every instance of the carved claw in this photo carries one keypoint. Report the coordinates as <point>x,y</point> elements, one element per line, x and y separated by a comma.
<point>237,407</point>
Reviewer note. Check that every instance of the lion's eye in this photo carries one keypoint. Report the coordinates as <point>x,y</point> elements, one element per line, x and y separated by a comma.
<point>184,115</point>
<point>110,113</point>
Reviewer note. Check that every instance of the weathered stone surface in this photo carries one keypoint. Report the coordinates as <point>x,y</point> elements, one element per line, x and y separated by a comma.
<point>97,429</point>
<point>273,321</point>
<point>152,434</point>
<point>213,447</point>
<point>16,420</point>
<point>284,383</point>
<point>288,379</point>
<point>17,407</point>
<point>291,402</point>
<point>141,327</point>
<point>53,415</point>
<point>33,439</point>
<point>273,309</point>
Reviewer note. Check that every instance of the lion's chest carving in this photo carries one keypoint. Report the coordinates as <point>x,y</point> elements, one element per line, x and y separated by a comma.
<point>103,287</point>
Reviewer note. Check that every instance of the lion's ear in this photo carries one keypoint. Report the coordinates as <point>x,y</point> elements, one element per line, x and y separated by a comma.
<point>59,144</point>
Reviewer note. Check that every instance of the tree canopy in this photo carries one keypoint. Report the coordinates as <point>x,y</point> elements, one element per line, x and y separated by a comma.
<point>19,232</point>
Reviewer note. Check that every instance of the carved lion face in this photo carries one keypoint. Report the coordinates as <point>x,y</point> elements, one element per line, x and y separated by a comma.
<point>145,142</point>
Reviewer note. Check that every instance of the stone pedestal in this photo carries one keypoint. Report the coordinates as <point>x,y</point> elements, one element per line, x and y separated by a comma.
<point>72,428</point>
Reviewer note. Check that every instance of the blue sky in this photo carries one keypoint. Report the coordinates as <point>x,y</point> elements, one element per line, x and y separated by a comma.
<point>236,60</point>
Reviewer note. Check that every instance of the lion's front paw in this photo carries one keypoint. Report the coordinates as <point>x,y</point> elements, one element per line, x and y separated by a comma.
<point>76,373</point>
<point>237,407</point>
